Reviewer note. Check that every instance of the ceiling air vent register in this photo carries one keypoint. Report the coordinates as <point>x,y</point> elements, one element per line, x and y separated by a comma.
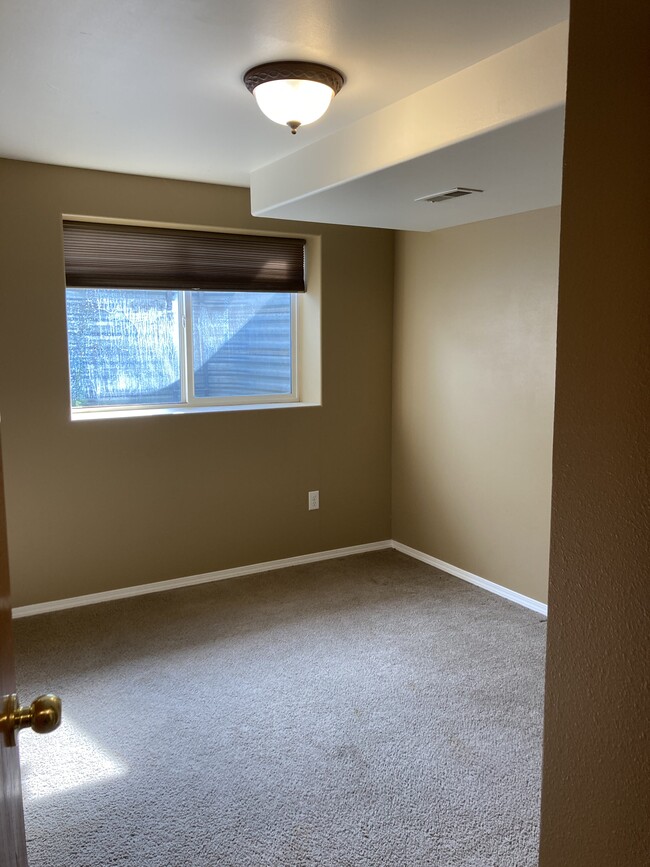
<point>446,195</point>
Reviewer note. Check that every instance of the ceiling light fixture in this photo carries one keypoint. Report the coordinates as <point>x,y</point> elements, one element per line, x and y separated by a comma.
<point>293,92</point>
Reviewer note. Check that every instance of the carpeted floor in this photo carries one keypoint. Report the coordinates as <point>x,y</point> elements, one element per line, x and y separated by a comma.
<point>359,712</point>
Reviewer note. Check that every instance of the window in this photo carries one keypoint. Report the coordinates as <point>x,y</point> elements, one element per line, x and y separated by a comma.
<point>162,344</point>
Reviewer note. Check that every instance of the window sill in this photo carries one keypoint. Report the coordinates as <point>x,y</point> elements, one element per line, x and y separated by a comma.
<point>103,414</point>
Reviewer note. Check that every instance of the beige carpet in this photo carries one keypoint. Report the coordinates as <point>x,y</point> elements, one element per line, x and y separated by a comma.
<point>365,711</point>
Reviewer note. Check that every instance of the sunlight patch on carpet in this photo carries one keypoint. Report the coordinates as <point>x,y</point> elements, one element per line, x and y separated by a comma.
<point>64,760</point>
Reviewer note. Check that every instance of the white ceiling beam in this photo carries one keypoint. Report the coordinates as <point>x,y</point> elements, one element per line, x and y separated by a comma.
<point>523,81</point>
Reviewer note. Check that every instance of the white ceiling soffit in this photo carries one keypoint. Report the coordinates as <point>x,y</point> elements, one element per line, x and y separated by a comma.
<point>496,126</point>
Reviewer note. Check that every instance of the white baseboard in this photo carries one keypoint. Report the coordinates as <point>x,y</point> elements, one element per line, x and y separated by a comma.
<point>497,589</point>
<point>175,583</point>
<point>238,571</point>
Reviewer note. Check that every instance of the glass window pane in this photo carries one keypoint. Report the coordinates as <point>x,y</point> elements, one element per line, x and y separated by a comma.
<point>123,347</point>
<point>241,343</point>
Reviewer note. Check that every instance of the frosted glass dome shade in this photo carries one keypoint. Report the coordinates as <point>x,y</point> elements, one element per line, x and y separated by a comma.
<point>293,100</point>
<point>293,92</point>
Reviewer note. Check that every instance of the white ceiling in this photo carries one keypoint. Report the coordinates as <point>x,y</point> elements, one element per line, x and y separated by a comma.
<point>154,87</point>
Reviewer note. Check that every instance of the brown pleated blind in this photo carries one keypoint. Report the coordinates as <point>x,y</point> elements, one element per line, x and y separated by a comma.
<point>103,255</point>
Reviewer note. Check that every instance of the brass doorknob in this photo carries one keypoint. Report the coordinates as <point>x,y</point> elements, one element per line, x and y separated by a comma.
<point>43,716</point>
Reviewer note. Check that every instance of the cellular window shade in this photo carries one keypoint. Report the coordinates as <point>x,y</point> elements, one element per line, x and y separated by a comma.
<point>103,255</point>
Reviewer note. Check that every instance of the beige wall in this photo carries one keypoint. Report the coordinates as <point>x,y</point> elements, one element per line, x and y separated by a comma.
<point>474,350</point>
<point>596,776</point>
<point>105,504</point>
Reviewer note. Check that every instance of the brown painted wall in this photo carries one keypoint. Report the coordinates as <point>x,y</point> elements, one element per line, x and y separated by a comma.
<point>474,364</point>
<point>596,776</point>
<point>105,504</point>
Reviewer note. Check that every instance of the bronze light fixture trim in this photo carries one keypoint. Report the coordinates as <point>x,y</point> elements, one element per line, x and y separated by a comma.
<point>293,92</point>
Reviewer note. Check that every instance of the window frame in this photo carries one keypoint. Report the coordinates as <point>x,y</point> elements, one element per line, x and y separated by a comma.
<point>189,403</point>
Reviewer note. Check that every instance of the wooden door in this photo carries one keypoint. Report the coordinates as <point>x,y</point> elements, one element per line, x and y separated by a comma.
<point>13,852</point>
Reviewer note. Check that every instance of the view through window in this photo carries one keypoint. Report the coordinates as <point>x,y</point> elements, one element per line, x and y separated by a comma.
<point>162,348</point>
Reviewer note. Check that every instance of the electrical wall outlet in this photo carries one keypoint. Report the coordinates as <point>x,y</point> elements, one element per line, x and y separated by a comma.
<point>313,500</point>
